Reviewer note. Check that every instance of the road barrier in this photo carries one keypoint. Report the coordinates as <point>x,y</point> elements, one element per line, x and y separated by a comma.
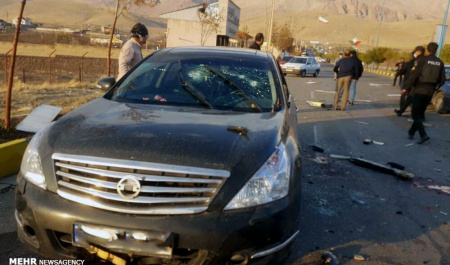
<point>392,74</point>
<point>11,154</point>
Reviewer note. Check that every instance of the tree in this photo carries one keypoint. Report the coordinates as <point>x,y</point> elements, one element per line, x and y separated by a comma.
<point>378,55</point>
<point>283,39</point>
<point>121,7</point>
<point>11,69</point>
<point>445,53</point>
<point>210,19</point>
<point>365,57</point>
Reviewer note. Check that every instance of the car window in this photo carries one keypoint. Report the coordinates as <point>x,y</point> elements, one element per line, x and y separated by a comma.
<point>287,58</point>
<point>298,60</point>
<point>447,72</point>
<point>314,61</point>
<point>163,80</point>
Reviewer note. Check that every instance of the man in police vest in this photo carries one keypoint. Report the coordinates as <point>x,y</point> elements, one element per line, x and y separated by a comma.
<point>427,76</point>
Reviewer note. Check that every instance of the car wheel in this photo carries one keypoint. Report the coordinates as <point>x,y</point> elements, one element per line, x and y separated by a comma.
<point>303,73</point>
<point>316,73</point>
<point>439,103</point>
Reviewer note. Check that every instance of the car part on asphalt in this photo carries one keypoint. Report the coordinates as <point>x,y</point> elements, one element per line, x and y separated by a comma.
<point>317,149</point>
<point>382,168</point>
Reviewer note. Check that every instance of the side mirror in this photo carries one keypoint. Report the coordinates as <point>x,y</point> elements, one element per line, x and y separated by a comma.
<point>106,83</point>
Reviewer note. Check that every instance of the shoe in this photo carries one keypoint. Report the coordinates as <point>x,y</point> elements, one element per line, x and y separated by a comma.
<point>398,112</point>
<point>337,109</point>
<point>423,140</point>
<point>410,136</point>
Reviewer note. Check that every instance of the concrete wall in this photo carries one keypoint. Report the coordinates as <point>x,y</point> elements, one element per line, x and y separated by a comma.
<point>186,33</point>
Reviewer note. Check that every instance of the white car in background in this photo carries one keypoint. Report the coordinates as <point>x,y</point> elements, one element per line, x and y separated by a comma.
<point>301,65</point>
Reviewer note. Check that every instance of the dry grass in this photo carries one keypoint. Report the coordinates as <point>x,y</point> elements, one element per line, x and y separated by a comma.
<point>26,49</point>
<point>67,96</point>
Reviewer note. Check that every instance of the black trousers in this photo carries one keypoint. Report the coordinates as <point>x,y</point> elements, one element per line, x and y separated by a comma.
<point>405,102</point>
<point>419,106</point>
<point>395,78</point>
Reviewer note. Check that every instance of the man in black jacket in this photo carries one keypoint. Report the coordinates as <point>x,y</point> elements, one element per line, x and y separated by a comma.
<point>259,40</point>
<point>406,98</point>
<point>428,76</point>
<point>398,72</point>
<point>345,69</point>
<point>359,69</point>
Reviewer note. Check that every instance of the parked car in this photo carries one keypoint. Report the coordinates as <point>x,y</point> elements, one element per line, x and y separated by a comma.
<point>286,59</point>
<point>300,65</point>
<point>191,158</point>
<point>441,98</point>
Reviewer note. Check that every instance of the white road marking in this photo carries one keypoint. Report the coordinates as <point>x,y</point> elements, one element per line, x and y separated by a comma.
<point>362,122</point>
<point>311,82</point>
<point>316,135</point>
<point>394,95</point>
<point>326,91</point>
<point>378,85</point>
<point>364,100</point>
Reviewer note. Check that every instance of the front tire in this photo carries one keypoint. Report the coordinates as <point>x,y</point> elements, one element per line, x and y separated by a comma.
<point>303,73</point>
<point>439,103</point>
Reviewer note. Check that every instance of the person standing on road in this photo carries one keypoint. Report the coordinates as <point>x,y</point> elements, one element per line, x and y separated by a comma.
<point>259,40</point>
<point>131,54</point>
<point>345,69</point>
<point>398,72</point>
<point>406,98</point>
<point>359,69</point>
<point>428,76</point>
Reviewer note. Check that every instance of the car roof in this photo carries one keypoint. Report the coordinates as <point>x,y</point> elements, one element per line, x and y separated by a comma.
<point>223,51</point>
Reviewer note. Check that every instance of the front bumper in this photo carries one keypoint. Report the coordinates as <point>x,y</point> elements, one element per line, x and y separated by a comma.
<point>291,71</point>
<point>46,224</point>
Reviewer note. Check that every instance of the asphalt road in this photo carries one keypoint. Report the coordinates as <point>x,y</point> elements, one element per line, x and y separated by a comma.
<point>346,209</point>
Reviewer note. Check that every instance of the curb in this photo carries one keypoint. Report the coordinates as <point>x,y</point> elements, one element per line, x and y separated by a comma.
<point>11,154</point>
<point>380,72</point>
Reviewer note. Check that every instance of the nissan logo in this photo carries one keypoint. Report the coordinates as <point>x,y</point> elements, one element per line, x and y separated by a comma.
<point>128,187</point>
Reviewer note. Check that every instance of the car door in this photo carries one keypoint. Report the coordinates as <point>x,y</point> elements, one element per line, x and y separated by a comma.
<point>308,66</point>
<point>314,66</point>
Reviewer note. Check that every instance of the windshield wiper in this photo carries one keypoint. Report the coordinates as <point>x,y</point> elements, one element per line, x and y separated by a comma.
<point>193,91</point>
<point>235,87</point>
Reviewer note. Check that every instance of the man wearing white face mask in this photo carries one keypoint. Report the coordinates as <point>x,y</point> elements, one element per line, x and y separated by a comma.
<point>130,54</point>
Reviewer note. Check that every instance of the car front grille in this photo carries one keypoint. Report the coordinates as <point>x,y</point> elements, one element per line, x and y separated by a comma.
<point>163,189</point>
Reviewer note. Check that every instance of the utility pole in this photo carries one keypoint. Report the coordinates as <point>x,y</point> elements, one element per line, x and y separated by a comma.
<point>11,69</point>
<point>269,43</point>
<point>379,28</point>
<point>443,31</point>
<point>381,21</point>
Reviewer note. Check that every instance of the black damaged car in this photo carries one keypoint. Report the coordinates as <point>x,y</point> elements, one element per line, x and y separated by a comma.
<point>191,158</point>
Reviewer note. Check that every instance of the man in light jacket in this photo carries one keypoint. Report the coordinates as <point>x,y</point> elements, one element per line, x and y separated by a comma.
<point>130,54</point>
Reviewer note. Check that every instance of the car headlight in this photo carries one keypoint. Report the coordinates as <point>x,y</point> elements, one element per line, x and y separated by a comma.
<point>270,183</point>
<point>31,167</point>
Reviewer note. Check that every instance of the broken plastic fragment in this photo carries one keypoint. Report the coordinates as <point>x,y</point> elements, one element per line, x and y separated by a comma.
<point>382,168</point>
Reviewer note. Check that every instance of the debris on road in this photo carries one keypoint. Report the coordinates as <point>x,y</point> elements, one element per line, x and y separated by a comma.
<point>362,122</point>
<point>321,160</point>
<point>40,117</point>
<point>444,213</point>
<point>444,189</point>
<point>370,141</point>
<point>329,258</point>
<point>358,258</point>
<point>319,104</point>
<point>399,213</point>
<point>382,168</point>
<point>395,165</point>
<point>317,149</point>
<point>359,202</point>
<point>367,141</point>
<point>411,144</point>
<point>339,156</point>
